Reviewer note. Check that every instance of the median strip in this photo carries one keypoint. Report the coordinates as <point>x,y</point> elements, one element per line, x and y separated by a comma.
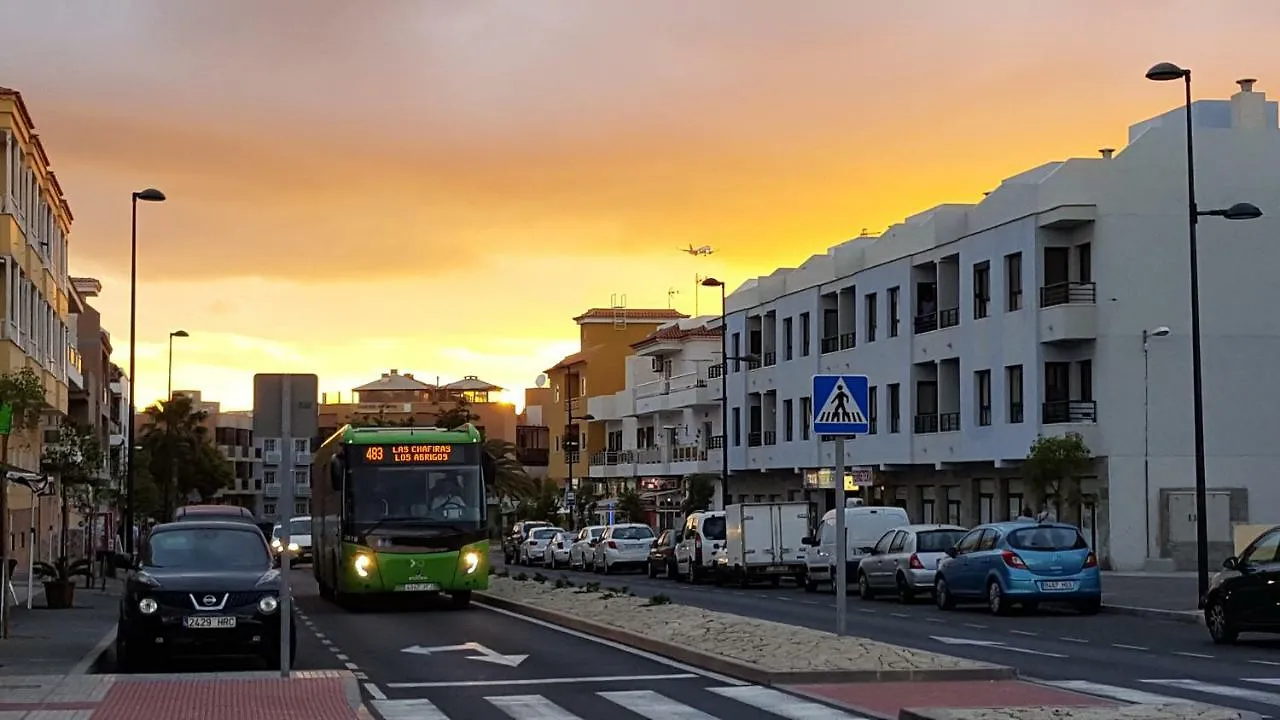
<point>750,649</point>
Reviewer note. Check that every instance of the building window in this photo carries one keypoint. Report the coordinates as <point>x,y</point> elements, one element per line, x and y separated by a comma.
<point>1086,380</point>
<point>981,290</point>
<point>806,417</point>
<point>982,385</point>
<point>302,478</point>
<point>269,508</point>
<point>737,427</point>
<point>805,333</point>
<point>788,433</point>
<point>269,477</point>
<point>872,402</point>
<point>895,408</point>
<point>270,445</point>
<point>1013,281</point>
<point>302,507</point>
<point>302,445</point>
<point>1013,390</point>
<point>735,350</point>
<point>869,303</point>
<point>786,339</point>
<point>893,311</point>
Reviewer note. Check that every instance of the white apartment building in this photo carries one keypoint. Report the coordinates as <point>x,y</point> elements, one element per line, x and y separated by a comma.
<point>983,326</point>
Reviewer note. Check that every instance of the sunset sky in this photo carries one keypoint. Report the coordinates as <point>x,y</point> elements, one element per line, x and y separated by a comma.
<point>440,186</point>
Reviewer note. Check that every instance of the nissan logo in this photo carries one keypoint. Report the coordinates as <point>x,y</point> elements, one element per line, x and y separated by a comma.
<point>210,600</point>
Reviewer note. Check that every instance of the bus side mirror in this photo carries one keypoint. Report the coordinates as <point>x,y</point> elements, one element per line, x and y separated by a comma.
<point>335,475</point>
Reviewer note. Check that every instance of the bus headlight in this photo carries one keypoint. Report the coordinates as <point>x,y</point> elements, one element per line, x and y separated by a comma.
<point>472,561</point>
<point>362,563</point>
<point>147,606</point>
<point>268,604</point>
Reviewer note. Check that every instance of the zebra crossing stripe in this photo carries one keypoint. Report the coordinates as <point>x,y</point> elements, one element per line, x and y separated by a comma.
<point>1237,693</point>
<point>1114,692</point>
<point>782,704</point>
<point>416,709</point>
<point>530,707</point>
<point>654,706</point>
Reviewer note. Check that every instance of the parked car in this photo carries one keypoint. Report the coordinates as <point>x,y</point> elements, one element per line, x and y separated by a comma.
<point>905,560</point>
<point>1245,595</point>
<point>704,534</point>
<point>534,550</point>
<point>299,540</point>
<point>558,549</point>
<point>583,551</point>
<point>864,525</point>
<point>662,554</point>
<point>200,588</point>
<point>1024,562</point>
<point>514,539</point>
<point>624,545</point>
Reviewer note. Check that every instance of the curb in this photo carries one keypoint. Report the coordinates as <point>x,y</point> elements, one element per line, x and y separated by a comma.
<point>96,658</point>
<point>740,670</point>
<point>1192,617</point>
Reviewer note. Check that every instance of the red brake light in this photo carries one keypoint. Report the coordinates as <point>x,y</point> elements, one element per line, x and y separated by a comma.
<point>915,562</point>
<point>613,545</point>
<point>1091,560</point>
<point>1012,560</point>
<point>697,541</point>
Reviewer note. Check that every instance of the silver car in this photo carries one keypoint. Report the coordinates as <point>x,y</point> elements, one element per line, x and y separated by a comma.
<point>905,560</point>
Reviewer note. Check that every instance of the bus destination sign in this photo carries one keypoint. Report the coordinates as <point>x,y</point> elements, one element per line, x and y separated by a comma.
<point>408,454</point>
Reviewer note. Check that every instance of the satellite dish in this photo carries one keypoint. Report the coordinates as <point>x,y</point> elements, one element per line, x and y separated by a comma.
<point>541,380</point>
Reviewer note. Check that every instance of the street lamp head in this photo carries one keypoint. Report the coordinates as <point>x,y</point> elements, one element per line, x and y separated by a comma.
<point>711,282</point>
<point>149,195</point>
<point>1161,331</point>
<point>1166,71</point>
<point>179,333</point>
<point>1242,211</point>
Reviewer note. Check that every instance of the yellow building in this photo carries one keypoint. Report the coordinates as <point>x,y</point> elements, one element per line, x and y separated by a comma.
<point>598,368</point>
<point>35,222</point>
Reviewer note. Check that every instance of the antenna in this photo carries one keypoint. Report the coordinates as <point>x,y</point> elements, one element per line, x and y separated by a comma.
<point>618,303</point>
<point>541,380</point>
<point>671,293</point>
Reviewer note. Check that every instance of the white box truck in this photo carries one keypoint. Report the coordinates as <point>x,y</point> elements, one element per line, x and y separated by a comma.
<point>763,541</point>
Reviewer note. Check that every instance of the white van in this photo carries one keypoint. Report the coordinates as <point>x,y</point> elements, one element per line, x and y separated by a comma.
<point>863,526</point>
<point>704,535</point>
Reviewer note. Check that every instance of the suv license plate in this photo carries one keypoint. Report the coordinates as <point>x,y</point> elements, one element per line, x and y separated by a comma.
<point>1058,585</point>
<point>205,622</point>
<point>420,587</point>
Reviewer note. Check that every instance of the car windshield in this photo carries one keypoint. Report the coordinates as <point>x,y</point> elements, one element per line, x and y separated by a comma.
<point>544,533</point>
<point>713,528</point>
<point>424,493</point>
<point>1047,539</point>
<point>300,527</point>
<point>937,540</point>
<point>632,533</point>
<point>207,549</point>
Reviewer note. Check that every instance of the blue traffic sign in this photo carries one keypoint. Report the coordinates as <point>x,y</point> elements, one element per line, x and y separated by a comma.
<point>840,405</point>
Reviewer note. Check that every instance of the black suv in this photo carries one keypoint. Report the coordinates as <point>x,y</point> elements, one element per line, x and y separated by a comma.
<point>201,588</point>
<point>519,533</point>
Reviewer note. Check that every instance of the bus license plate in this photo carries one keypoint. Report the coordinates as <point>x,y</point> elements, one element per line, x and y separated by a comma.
<point>420,587</point>
<point>204,622</point>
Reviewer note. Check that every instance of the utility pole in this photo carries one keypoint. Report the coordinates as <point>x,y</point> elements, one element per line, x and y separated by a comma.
<point>6,426</point>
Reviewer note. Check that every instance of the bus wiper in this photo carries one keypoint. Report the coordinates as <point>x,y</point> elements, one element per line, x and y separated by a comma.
<point>364,539</point>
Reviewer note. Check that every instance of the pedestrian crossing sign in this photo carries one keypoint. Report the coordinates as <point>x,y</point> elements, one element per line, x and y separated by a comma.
<point>840,405</point>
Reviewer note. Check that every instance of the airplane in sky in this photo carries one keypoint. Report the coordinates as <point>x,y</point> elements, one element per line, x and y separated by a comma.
<point>695,251</point>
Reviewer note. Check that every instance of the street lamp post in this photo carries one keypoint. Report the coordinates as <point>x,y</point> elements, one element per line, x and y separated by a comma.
<point>148,195</point>
<point>1161,331</point>
<point>571,455</point>
<point>724,390</point>
<point>1164,72</point>
<point>172,335</point>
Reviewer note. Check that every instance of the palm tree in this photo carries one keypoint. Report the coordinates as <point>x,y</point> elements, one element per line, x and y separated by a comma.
<point>173,433</point>
<point>510,479</point>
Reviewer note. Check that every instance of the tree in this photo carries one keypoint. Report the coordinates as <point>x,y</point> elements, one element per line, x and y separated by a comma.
<point>1054,465</point>
<point>76,460</point>
<point>182,459</point>
<point>545,506</point>
<point>585,501</point>
<point>510,479</point>
<point>24,392</point>
<point>457,416</point>
<point>630,506</point>
<point>699,493</point>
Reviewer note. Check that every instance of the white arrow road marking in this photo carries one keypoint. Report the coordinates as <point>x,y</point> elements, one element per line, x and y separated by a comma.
<point>992,644</point>
<point>485,654</point>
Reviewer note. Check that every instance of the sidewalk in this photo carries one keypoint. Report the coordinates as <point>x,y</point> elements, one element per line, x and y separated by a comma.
<point>1162,594</point>
<point>61,642</point>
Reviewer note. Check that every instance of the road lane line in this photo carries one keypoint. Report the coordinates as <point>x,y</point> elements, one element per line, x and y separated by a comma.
<point>539,681</point>
<point>1238,693</point>
<point>1024,632</point>
<point>1074,640</point>
<point>866,610</point>
<point>976,625</point>
<point>615,645</point>
<point>352,666</point>
<point>781,704</point>
<point>340,656</point>
<point>374,691</point>
<point>933,620</point>
<point>1264,681</point>
<point>530,707</point>
<point>900,615</point>
<point>654,706</point>
<point>1113,692</point>
<point>1194,655</point>
<point>416,709</point>
<point>1128,647</point>
<point>1266,662</point>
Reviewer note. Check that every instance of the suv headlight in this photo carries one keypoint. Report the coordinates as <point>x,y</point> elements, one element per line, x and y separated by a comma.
<point>148,606</point>
<point>293,547</point>
<point>268,604</point>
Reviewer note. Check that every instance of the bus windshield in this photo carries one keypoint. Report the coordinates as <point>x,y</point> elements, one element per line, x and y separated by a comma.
<point>424,493</point>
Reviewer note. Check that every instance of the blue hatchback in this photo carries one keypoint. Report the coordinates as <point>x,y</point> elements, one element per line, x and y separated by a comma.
<point>1024,562</point>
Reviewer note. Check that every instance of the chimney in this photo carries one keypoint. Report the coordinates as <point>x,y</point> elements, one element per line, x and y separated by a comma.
<point>1248,108</point>
<point>1106,153</point>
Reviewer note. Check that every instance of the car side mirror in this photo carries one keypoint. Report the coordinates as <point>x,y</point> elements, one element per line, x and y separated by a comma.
<point>808,540</point>
<point>951,552</point>
<point>1231,563</point>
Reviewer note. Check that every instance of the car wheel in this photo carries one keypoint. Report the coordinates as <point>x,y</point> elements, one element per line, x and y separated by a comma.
<point>607,569</point>
<point>672,570</point>
<point>864,587</point>
<point>127,661</point>
<point>942,595</point>
<point>810,586</point>
<point>996,601</point>
<point>906,595</point>
<point>653,571</point>
<point>1220,629</point>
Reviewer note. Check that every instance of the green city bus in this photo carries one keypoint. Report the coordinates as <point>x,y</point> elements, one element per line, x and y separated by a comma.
<point>400,510</point>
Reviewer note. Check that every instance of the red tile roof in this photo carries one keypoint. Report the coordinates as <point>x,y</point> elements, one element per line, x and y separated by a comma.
<point>569,360</point>
<point>630,314</point>
<point>675,333</point>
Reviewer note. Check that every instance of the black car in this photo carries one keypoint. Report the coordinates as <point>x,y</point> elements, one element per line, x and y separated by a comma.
<point>1245,596</point>
<point>662,556</point>
<point>519,533</point>
<point>201,588</point>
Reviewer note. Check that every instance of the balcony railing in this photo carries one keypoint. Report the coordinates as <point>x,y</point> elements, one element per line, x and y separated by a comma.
<point>830,344</point>
<point>949,317</point>
<point>573,457</point>
<point>925,424</point>
<point>688,453</point>
<point>770,437</point>
<point>715,371</point>
<point>755,439</point>
<point>1069,411</point>
<point>652,388</point>
<point>848,340</point>
<point>927,322</point>
<point>533,457</point>
<point>1064,293</point>
<point>949,422</point>
<point>648,455</point>
<point>715,442</point>
<point>770,359</point>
